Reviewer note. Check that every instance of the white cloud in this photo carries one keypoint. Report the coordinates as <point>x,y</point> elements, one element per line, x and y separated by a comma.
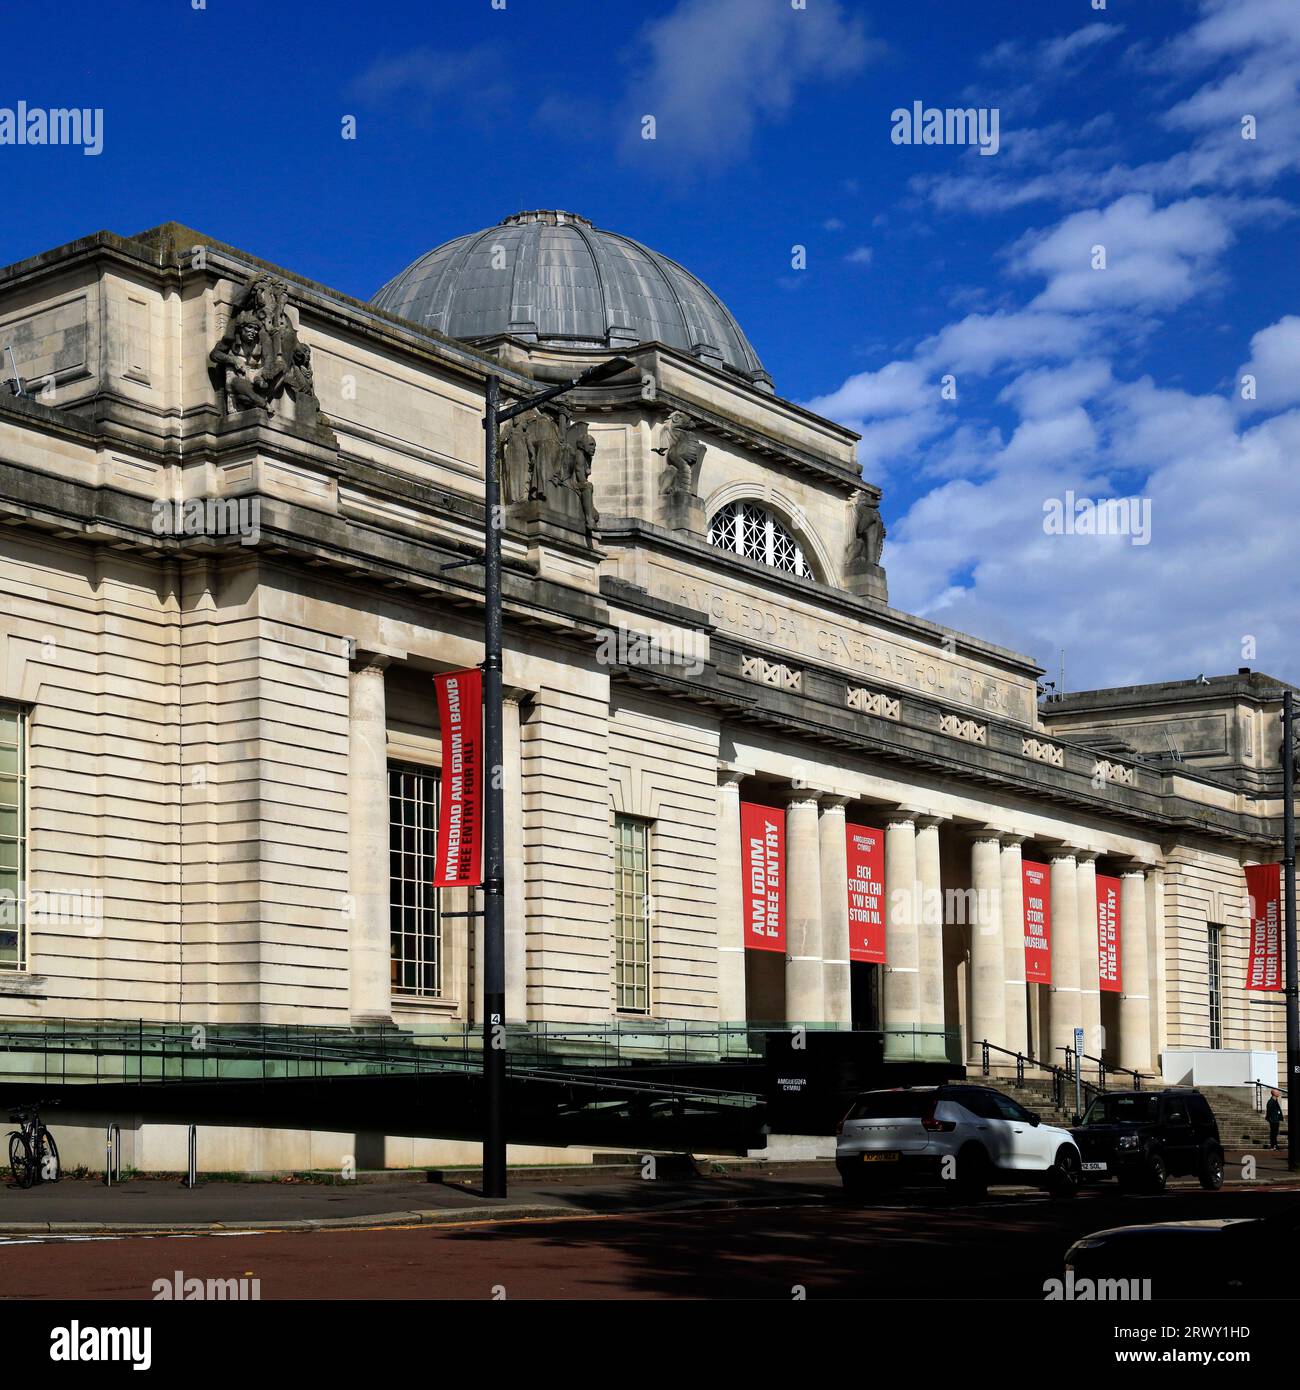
<point>860,255</point>
<point>717,68</point>
<point>1275,365</point>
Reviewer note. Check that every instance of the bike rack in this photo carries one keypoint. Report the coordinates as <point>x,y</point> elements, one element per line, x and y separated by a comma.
<point>112,1153</point>
<point>191,1178</point>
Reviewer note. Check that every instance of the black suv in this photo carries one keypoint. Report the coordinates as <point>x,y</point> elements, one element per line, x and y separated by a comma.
<point>1145,1137</point>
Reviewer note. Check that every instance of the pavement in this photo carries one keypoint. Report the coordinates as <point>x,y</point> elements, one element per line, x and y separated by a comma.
<point>161,1206</point>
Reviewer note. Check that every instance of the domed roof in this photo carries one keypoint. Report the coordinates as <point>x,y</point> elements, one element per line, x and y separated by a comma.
<point>552,277</point>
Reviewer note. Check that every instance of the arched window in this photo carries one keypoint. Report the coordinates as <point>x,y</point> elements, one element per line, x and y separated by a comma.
<point>751,530</point>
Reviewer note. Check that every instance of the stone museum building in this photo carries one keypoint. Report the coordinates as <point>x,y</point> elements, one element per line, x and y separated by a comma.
<point>242,524</point>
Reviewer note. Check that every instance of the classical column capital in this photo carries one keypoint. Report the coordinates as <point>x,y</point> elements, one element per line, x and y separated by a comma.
<point>1011,839</point>
<point>731,776</point>
<point>1087,856</point>
<point>834,802</point>
<point>898,815</point>
<point>1061,851</point>
<point>795,795</point>
<point>1134,868</point>
<point>975,833</point>
<point>364,660</point>
<point>929,820</point>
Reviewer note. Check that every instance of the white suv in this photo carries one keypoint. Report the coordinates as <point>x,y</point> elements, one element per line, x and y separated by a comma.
<point>969,1136</point>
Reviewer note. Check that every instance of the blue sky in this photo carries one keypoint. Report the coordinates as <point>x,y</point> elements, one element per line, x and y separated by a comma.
<point>1119,126</point>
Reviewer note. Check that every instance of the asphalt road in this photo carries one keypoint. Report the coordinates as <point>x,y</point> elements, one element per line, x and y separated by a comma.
<point>911,1248</point>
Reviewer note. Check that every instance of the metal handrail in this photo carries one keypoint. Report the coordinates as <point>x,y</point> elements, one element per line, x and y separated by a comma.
<point>1102,1068</point>
<point>112,1153</point>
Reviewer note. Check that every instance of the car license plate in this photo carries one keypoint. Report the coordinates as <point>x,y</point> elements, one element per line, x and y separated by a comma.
<point>883,1156</point>
<point>1094,1167</point>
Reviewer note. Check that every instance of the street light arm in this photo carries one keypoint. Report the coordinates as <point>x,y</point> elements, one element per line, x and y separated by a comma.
<point>602,371</point>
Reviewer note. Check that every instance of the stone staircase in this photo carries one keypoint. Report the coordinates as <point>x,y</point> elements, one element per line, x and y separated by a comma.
<point>1240,1125</point>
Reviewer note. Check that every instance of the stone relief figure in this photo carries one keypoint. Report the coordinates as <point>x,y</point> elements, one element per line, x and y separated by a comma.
<point>259,356</point>
<point>516,461</point>
<point>868,541</point>
<point>580,449</point>
<point>546,457</point>
<point>683,451</point>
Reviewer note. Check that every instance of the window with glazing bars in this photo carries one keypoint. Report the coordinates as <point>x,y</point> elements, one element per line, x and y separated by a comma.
<point>1213,980</point>
<point>13,838</point>
<point>632,914</point>
<point>414,919</point>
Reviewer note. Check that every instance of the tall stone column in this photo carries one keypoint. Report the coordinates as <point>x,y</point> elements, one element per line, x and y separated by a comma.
<point>732,1006</point>
<point>987,1014</point>
<point>805,992</point>
<point>1089,960</point>
<point>929,937</point>
<point>902,947</point>
<point>369,948</point>
<point>1065,952</point>
<point>1015,1026</point>
<point>838,1007</point>
<point>1135,1000</point>
<point>516,897</point>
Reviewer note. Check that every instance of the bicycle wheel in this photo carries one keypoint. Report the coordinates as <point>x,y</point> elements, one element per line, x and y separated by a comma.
<point>48,1164</point>
<point>20,1160</point>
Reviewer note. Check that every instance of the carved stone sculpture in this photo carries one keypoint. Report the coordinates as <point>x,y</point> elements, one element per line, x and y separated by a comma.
<point>259,357</point>
<point>863,574</point>
<point>546,459</point>
<point>580,449</point>
<point>868,542</point>
<point>682,451</point>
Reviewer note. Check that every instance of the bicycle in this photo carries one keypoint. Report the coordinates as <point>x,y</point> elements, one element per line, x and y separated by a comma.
<point>33,1154</point>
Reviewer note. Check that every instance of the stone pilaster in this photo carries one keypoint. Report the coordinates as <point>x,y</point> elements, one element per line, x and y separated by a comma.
<point>1135,999</point>
<point>987,1014</point>
<point>1015,1023</point>
<point>1089,961</point>
<point>1065,952</point>
<point>902,947</point>
<point>929,933</point>
<point>805,991</point>
<point>838,1005</point>
<point>369,949</point>
<point>732,1006</point>
<point>515,895</point>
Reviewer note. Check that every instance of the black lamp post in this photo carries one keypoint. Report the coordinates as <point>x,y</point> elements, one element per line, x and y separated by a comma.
<point>494,901</point>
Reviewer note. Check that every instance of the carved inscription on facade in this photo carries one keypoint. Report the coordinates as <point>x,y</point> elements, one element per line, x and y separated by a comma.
<point>850,648</point>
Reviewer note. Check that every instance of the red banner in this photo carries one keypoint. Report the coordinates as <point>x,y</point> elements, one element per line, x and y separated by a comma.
<point>1264,884</point>
<point>762,876</point>
<point>1037,880</point>
<point>866,860</point>
<point>460,812</point>
<point>1108,932</point>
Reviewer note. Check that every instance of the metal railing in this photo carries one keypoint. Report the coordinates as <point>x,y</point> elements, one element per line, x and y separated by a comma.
<point>1061,1079</point>
<point>1103,1068</point>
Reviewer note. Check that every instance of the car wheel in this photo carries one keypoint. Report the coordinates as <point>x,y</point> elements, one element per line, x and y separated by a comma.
<point>1065,1176</point>
<point>972,1173</point>
<point>1211,1171</point>
<point>1157,1174</point>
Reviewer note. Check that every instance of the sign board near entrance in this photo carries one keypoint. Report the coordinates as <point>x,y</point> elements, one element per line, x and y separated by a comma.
<point>762,876</point>
<point>866,862</point>
<point>1264,884</point>
<point>1038,923</point>
<point>1108,933</point>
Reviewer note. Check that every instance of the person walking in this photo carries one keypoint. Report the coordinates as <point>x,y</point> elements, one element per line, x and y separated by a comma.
<point>1273,1114</point>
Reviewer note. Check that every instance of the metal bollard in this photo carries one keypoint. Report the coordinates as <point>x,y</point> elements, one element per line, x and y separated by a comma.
<point>191,1178</point>
<point>112,1154</point>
